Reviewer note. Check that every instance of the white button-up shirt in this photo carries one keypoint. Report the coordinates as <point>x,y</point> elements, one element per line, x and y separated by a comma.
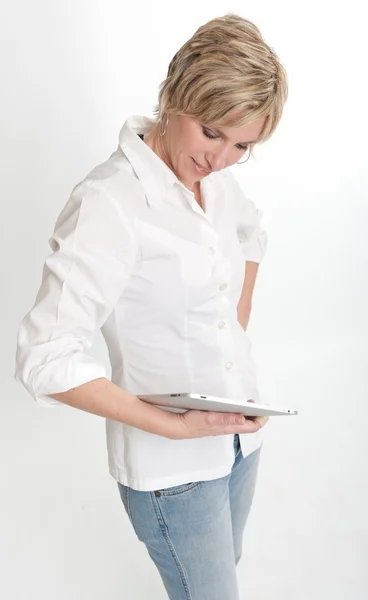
<point>135,255</point>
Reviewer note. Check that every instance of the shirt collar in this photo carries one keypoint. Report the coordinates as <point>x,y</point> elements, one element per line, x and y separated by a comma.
<point>156,177</point>
<point>153,173</point>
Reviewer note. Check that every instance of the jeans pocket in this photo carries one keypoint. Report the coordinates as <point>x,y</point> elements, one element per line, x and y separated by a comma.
<point>178,490</point>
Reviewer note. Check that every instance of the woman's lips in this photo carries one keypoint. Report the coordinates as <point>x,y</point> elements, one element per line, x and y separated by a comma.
<point>200,168</point>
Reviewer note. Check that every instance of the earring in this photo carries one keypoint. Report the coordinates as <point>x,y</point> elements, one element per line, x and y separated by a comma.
<point>247,158</point>
<point>162,133</point>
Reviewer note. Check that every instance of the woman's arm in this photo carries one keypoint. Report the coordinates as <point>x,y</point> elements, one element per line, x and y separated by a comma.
<point>245,302</point>
<point>93,253</point>
<point>104,398</point>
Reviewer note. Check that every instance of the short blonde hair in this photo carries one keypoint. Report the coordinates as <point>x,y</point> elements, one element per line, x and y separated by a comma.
<point>226,66</point>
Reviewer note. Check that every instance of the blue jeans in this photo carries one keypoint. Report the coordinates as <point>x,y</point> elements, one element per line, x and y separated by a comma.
<point>193,532</point>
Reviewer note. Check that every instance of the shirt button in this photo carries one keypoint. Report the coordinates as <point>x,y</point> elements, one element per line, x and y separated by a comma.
<point>222,325</point>
<point>229,366</point>
<point>212,250</point>
<point>223,287</point>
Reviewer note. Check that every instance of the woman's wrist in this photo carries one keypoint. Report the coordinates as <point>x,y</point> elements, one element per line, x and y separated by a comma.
<point>155,420</point>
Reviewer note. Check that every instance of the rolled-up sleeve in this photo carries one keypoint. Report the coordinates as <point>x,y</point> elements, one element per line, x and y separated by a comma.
<point>252,238</point>
<point>94,252</point>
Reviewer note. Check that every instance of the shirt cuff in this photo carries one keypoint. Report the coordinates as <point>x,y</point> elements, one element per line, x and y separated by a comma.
<point>60,376</point>
<point>254,250</point>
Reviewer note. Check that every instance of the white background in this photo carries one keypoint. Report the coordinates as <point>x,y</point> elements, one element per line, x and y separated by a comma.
<point>71,72</point>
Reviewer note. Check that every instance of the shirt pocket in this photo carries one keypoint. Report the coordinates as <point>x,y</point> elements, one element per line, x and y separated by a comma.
<point>173,255</point>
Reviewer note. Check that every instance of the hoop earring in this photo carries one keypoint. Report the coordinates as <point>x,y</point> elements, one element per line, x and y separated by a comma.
<point>162,133</point>
<point>246,160</point>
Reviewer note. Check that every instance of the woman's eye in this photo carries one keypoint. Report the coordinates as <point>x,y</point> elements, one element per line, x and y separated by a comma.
<point>209,133</point>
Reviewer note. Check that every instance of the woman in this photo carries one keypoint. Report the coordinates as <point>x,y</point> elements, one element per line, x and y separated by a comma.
<point>159,248</point>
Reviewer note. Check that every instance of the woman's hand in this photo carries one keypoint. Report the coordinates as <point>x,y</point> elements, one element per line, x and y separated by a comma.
<point>200,423</point>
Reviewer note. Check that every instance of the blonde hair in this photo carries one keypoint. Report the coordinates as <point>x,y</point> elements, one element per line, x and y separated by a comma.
<point>226,66</point>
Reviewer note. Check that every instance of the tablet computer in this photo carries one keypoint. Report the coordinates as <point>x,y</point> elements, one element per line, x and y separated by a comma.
<point>186,401</point>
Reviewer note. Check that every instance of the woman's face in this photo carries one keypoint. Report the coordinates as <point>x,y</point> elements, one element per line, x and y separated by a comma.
<point>193,149</point>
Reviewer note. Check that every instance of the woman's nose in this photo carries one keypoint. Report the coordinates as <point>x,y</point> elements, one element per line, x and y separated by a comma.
<point>219,159</point>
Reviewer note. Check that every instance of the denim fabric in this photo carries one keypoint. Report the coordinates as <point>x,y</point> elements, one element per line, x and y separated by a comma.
<point>193,532</point>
